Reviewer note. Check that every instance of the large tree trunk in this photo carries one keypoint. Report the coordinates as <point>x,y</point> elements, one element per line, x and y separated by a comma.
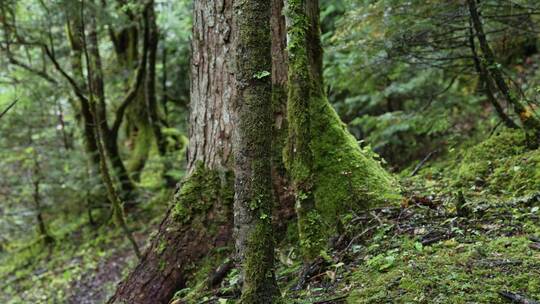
<point>331,173</point>
<point>253,200</point>
<point>200,219</point>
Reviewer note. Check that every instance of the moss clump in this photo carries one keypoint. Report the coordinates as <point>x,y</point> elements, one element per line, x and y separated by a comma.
<point>502,165</point>
<point>202,189</point>
<point>449,273</point>
<point>345,175</point>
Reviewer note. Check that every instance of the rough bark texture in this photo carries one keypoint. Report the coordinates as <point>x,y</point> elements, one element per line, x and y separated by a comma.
<point>198,223</point>
<point>253,201</point>
<point>200,219</point>
<point>331,173</point>
<point>210,119</point>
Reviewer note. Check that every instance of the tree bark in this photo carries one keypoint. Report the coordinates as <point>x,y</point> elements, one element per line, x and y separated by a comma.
<point>253,201</point>
<point>283,192</point>
<point>200,219</point>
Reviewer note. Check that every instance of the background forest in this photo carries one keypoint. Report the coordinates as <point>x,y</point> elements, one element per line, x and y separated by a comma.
<point>100,140</point>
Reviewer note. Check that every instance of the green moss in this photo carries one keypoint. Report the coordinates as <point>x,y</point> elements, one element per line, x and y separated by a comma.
<point>198,287</point>
<point>501,165</point>
<point>142,146</point>
<point>345,175</point>
<point>259,269</point>
<point>449,273</point>
<point>202,189</point>
<point>331,173</point>
<point>162,246</point>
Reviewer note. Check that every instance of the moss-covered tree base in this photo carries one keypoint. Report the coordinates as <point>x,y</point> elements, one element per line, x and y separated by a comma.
<point>331,173</point>
<point>345,178</point>
<point>198,225</point>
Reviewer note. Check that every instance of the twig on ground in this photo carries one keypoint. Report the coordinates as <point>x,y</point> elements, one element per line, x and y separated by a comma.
<point>423,162</point>
<point>516,298</point>
<point>333,300</point>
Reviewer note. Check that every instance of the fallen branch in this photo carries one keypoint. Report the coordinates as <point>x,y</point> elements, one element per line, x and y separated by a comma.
<point>339,299</point>
<point>220,273</point>
<point>534,246</point>
<point>516,298</point>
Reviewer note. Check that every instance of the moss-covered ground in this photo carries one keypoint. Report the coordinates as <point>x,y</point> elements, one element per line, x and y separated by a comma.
<point>467,230</point>
<point>84,263</point>
<point>465,233</point>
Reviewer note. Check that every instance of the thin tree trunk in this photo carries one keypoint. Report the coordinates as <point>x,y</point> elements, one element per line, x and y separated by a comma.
<point>529,120</point>
<point>152,38</point>
<point>109,136</point>
<point>95,86</point>
<point>253,201</point>
<point>137,124</point>
<point>487,84</point>
<point>74,27</point>
<point>283,192</point>
<point>42,228</point>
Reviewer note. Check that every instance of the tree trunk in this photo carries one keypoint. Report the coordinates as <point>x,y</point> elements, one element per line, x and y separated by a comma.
<point>74,27</point>
<point>95,87</point>
<point>42,228</point>
<point>152,106</point>
<point>253,201</point>
<point>200,219</point>
<point>331,173</point>
<point>109,136</point>
<point>137,123</point>
<point>283,191</point>
<point>487,83</point>
<point>529,120</point>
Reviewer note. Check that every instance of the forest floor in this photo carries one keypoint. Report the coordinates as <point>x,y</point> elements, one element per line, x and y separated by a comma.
<point>467,231</point>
